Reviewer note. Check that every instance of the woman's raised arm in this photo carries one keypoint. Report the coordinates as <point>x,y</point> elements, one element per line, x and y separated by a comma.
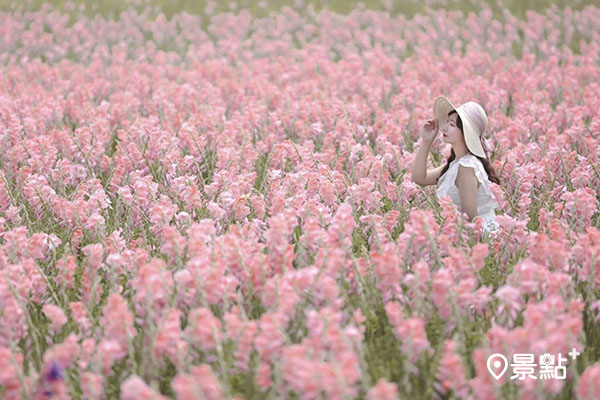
<point>420,175</point>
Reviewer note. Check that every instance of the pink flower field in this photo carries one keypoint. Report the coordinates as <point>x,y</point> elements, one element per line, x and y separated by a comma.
<point>220,206</point>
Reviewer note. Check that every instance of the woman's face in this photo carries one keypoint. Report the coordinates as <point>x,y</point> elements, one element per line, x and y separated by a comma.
<point>451,133</point>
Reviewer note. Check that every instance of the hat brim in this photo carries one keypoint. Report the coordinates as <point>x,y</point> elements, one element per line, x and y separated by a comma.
<point>441,107</point>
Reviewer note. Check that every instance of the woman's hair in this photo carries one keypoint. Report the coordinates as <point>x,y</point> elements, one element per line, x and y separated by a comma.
<point>485,161</point>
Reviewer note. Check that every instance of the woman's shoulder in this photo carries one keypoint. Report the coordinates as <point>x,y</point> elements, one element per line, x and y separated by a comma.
<point>470,160</point>
<point>469,157</point>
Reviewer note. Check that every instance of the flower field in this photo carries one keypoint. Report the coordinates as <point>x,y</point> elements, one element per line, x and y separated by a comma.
<point>219,206</point>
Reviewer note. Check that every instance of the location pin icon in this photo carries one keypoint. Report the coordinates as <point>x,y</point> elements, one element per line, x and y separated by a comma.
<point>497,365</point>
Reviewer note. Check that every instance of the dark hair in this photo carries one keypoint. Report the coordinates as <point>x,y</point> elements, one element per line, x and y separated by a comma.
<point>485,161</point>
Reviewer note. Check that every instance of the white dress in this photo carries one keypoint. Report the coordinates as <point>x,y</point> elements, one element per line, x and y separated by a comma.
<point>486,203</point>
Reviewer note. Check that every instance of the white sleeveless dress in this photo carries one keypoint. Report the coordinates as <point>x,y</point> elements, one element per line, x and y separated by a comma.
<point>486,203</point>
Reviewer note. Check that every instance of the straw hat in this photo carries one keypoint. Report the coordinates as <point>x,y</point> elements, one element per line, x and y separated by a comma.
<point>474,120</point>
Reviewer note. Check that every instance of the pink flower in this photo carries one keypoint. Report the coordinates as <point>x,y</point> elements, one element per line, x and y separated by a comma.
<point>479,253</point>
<point>245,345</point>
<point>134,388</point>
<point>383,391</point>
<point>258,205</point>
<point>270,339</point>
<point>300,372</point>
<point>117,320</point>
<point>483,384</point>
<point>10,366</point>
<point>240,208</point>
<point>278,234</point>
<point>79,314</point>
<point>263,375</point>
<point>199,383</point>
<point>94,253</point>
<point>511,303</point>
<point>580,206</point>
<point>417,282</point>
<point>451,372</point>
<point>173,243</point>
<point>56,316</point>
<point>394,313</point>
<point>13,321</point>
<point>168,339</point>
<point>342,225</point>
<point>152,283</point>
<point>66,266</point>
<point>440,291</point>
<point>65,353</point>
<point>411,331</point>
<point>161,213</point>
<point>38,245</point>
<point>94,221</point>
<point>88,349</point>
<point>107,352</point>
<point>92,385</point>
<point>387,267</point>
<point>204,329</point>
<point>588,387</point>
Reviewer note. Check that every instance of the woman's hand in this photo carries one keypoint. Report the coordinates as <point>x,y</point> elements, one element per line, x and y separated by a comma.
<point>429,130</point>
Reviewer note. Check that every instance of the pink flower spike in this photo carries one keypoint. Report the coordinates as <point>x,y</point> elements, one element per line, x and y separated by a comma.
<point>134,388</point>
<point>56,315</point>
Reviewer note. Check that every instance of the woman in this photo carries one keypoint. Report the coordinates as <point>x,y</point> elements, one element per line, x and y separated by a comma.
<point>467,175</point>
